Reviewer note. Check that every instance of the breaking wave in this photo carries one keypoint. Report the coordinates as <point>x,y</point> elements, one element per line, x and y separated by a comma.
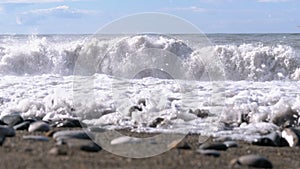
<point>36,55</point>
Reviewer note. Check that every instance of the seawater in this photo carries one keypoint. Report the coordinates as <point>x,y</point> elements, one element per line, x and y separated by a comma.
<point>257,75</point>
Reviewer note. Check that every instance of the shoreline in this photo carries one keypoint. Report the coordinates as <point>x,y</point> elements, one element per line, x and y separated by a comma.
<point>19,153</point>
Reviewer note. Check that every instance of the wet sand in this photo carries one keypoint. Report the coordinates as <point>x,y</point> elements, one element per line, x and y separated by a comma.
<point>17,153</point>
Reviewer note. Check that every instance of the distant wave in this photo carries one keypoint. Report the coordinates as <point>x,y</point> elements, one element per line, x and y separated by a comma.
<point>36,55</point>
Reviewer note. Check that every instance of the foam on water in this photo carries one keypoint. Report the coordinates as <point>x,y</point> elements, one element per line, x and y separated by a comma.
<point>37,81</point>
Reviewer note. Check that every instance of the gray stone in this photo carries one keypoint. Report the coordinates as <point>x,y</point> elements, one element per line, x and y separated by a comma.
<point>231,144</point>
<point>7,131</point>
<point>22,126</point>
<point>59,151</point>
<point>71,134</point>
<point>213,146</point>
<point>292,136</point>
<point>272,139</point>
<point>39,126</point>
<point>70,123</point>
<point>84,145</point>
<point>252,160</point>
<point>125,140</point>
<point>213,153</point>
<point>36,138</point>
<point>12,120</point>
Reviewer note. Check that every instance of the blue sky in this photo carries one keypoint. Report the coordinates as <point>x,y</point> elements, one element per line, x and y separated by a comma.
<point>87,16</point>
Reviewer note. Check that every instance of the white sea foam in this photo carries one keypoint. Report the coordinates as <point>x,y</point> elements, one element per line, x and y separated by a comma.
<point>242,106</point>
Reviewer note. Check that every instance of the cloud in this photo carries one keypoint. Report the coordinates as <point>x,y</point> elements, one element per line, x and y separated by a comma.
<point>64,11</point>
<point>266,1</point>
<point>32,1</point>
<point>1,9</point>
<point>191,8</point>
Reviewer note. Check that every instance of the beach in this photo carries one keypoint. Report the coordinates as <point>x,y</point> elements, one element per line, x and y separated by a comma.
<point>28,154</point>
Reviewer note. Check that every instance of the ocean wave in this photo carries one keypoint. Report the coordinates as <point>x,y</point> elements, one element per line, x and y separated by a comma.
<point>35,55</point>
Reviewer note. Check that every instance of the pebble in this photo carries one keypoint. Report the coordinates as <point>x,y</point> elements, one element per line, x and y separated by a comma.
<point>36,138</point>
<point>84,145</point>
<point>214,146</point>
<point>12,120</point>
<point>213,153</point>
<point>2,139</point>
<point>71,134</point>
<point>22,126</point>
<point>7,131</point>
<point>200,113</point>
<point>230,144</point>
<point>71,123</point>
<point>272,139</point>
<point>60,150</point>
<point>291,135</point>
<point>39,126</point>
<point>156,122</point>
<point>125,140</point>
<point>252,160</point>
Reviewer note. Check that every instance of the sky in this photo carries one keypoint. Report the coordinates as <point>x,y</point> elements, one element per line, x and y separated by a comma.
<point>88,16</point>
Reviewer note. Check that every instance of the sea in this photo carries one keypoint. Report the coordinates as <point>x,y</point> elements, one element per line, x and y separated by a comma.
<point>242,83</point>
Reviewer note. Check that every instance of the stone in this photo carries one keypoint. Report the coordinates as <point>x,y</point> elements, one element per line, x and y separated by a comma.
<point>292,136</point>
<point>2,140</point>
<point>12,120</point>
<point>7,131</point>
<point>70,123</point>
<point>230,144</point>
<point>72,134</point>
<point>36,138</point>
<point>252,160</point>
<point>213,153</point>
<point>22,126</point>
<point>201,113</point>
<point>272,139</point>
<point>156,122</point>
<point>39,126</point>
<point>84,145</point>
<point>59,151</point>
<point>125,140</point>
<point>213,146</point>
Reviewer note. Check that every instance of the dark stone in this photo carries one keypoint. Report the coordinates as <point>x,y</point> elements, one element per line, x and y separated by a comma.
<point>39,126</point>
<point>91,147</point>
<point>2,140</point>
<point>22,126</point>
<point>12,120</point>
<point>200,113</point>
<point>7,131</point>
<point>213,153</point>
<point>231,144</point>
<point>156,122</point>
<point>71,134</point>
<point>214,146</point>
<point>255,161</point>
<point>70,123</point>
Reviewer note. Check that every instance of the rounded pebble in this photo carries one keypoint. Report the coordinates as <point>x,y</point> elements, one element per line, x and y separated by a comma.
<point>252,160</point>
<point>39,126</point>
<point>231,144</point>
<point>214,146</point>
<point>7,131</point>
<point>213,153</point>
<point>69,134</point>
<point>36,138</point>
<point>12,120</point>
